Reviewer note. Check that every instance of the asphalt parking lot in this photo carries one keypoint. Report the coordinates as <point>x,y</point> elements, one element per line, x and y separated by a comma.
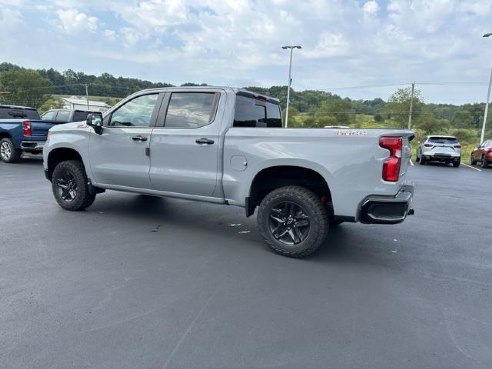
<point>138,282</point>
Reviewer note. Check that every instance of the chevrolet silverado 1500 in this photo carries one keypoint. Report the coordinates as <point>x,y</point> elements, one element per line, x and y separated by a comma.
<point>228,146</point>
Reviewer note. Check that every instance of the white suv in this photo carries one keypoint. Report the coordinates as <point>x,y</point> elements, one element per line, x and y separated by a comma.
<point>442,149</point>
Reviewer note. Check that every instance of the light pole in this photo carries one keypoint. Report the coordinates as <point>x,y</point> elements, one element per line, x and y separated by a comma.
<point>291,47</point>
<point>488,99</point>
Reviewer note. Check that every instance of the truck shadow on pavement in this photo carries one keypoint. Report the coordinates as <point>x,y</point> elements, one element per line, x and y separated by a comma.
<point>345,243</point>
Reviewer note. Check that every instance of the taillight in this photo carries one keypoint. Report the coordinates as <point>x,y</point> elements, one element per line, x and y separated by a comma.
<point>428,145</point>
<point>457,146</point>
<point>391,166</point>
<point>26,128</point>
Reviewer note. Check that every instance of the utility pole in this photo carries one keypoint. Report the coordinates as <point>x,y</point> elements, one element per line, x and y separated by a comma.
<point>411,107</point>
<point>87,95</point>
<point>482,136</point>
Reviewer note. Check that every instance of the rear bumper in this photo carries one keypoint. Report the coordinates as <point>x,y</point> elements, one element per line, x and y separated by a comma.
<point>377,209</point>
<point>441,157</point>
<point>32,145</point>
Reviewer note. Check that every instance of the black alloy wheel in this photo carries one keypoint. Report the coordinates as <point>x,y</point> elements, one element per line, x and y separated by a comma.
<point>289,223</point>
<point>67,187</point>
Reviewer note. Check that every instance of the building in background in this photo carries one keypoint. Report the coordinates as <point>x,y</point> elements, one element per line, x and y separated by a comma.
<point>81,103</point>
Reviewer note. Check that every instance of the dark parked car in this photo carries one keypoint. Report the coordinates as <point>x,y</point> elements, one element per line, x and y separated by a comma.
<point>482,153</point>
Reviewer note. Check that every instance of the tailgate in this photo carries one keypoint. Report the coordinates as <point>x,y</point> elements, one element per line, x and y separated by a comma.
<point>39,129</point>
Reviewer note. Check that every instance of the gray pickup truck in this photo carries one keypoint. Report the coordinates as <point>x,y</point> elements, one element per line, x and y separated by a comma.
<point>228,146</point>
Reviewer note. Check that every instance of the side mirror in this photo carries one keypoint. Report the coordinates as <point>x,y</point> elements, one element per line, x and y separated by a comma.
<point>95,120</point>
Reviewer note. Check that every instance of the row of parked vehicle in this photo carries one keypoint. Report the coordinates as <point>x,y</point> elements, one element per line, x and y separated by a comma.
<point>22,129</point>
<point>447,150</point>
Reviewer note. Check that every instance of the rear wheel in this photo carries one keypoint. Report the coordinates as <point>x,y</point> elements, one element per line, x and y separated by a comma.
<point>456,163</point>
<point>293,221</point>
<point>484,163</point>
<point>8,152</point>
<point>422,160</point>
<point>69,185</point>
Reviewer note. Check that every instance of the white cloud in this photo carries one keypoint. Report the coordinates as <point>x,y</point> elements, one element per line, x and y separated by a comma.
<point>154,15</point>
<point>9,20</point>
<point>329,45</point>
<point>110,35</point>
<point>72,21</point>
<point>370,8</point>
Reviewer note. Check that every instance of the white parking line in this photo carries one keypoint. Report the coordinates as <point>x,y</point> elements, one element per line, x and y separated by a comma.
<point>469,166</point>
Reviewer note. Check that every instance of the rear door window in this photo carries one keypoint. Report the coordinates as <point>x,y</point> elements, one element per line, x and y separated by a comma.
<point>191,109</point>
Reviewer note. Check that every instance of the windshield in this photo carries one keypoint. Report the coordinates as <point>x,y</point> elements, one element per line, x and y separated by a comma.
<point>443,140</point>
<point>7,112</point>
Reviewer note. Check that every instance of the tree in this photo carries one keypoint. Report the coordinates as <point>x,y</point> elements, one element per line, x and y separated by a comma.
<point>434,126</point>
<point>398,107</point>
<point>24,87</point>
<point>51,103</point>
<point>462,119</point>
<point>334,111</point>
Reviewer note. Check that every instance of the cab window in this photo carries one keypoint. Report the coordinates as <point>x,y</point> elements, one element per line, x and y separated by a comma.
<point>135,113</point>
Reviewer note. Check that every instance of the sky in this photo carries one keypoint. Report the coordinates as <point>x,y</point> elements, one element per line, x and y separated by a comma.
<point>362,49</point>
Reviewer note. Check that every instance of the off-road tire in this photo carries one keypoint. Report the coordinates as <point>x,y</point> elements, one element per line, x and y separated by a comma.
<point>8,152</point>
<point>300,206</point>
<point>69,186</point>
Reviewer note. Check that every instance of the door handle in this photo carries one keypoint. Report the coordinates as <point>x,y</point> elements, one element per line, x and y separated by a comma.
<point>204,141</point>
<point>139,138</point>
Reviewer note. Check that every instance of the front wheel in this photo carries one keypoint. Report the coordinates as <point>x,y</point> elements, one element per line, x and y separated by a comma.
<point>293,221</point>
<point>8,152</point>
<point>472,160</point>
<point>69,185</point>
